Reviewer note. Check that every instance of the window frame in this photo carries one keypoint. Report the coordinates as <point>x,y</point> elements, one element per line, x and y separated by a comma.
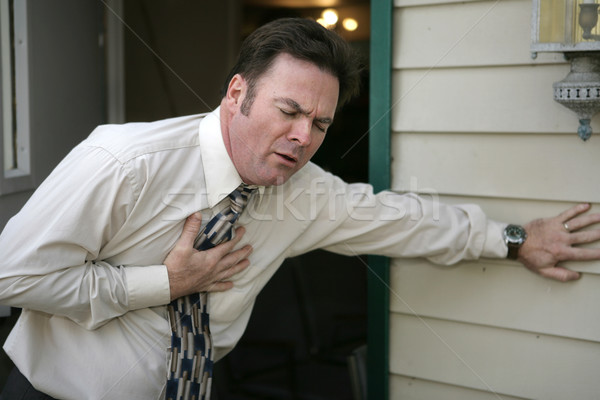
<point>16,173</point>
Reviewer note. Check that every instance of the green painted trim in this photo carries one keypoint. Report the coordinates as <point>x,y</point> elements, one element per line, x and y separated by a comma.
<point>380,94</point>
<point>380,177</point>
<point>378,359</point>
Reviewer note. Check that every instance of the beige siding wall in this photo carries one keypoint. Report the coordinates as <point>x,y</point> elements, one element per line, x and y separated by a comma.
<point>474,121</point>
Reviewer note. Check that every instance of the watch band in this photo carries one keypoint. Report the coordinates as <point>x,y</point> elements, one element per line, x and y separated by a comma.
<point>513,251</point>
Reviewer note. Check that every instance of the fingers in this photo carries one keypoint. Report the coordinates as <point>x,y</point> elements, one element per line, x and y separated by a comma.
<point>573,212</point>
<point>221,280</point>
<point>579,254</point>
<point>227,262</point>
<point>235,257</point>
<point>227,246</point>
<point>191,227</point>
<point>582,221</point>
<point>559,274</point>
<point>223,250</point>
<point>220,286</point>
<point>582,237</point>
<point>231,264</point>
<point>573,221</point>
<point>577,222</point>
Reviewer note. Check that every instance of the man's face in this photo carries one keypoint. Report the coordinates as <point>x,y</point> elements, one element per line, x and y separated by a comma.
<point>294,105</point>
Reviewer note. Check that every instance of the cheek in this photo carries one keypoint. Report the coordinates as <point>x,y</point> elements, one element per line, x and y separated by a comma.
<point>246,138</point>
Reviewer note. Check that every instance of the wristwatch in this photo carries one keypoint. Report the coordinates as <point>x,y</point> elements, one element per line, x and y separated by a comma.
<point>514,237</point>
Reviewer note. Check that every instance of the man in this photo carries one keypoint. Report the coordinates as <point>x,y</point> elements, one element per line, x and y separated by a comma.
<point>104,244</point>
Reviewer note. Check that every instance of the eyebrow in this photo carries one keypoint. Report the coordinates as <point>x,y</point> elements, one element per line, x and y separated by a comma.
<point>298,108</point>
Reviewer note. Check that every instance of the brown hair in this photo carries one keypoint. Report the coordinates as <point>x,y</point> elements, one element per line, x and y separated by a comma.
<point>305,40</point>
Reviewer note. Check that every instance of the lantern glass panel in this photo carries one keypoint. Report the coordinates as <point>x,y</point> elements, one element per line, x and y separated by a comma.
<point>565,25</point>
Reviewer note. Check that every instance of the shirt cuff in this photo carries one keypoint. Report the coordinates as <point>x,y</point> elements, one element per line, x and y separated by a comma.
<point>147,286</point>
<point>494,246</point>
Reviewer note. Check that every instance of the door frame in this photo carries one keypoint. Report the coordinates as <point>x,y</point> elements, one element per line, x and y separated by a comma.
<point>378,306</point>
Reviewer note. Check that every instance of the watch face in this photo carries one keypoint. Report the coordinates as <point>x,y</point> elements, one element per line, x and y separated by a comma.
<point>515,234</point>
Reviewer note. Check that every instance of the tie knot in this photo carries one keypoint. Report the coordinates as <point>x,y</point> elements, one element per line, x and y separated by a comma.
<point>239,197</point>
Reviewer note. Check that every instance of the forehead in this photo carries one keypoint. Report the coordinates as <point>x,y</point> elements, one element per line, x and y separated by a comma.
<point>301,81</point>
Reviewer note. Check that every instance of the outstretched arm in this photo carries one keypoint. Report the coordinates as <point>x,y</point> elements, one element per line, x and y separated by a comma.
<point>551,241</point>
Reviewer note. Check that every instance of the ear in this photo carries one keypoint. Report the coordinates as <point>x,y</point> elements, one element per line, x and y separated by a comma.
<point>236,92</point>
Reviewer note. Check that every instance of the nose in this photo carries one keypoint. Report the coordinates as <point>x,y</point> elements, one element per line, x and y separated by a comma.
<point>301,132</point>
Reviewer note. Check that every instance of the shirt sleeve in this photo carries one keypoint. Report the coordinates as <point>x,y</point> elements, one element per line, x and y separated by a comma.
<point>353,220</point>
<point>48,251</point>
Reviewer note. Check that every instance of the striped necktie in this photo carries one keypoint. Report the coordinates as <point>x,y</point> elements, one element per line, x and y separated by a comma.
<point>191,361</point>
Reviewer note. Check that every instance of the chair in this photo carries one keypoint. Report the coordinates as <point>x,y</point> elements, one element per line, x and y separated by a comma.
<point>357,365</point>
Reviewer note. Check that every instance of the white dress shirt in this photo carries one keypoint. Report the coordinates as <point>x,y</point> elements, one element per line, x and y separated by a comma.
<point>83,258</point>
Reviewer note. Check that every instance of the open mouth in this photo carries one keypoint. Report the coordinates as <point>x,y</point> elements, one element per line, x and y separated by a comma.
<point>287,158</point>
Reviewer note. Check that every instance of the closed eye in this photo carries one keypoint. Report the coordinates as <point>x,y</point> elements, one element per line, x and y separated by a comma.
<point>321,128</point>
<point>318,124</point>
<point>322,124</point>
<point>288,113</point>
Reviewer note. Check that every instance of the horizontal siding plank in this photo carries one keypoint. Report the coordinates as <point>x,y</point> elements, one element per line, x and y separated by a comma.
<point>499,295</point>
<point>408,388</point>
<point>478,33</point>
<point>495,360</point>
<point>514,210</point>
<point>545,167</point>
<point>502,99</point>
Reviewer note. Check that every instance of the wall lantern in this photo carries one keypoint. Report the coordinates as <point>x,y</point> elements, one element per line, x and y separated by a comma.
<point>571,27</point>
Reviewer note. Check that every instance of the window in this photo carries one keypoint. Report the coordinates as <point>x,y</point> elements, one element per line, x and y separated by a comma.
<point>15,97</point>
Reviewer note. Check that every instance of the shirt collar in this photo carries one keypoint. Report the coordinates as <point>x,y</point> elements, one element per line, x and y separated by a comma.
<point>220,174</point>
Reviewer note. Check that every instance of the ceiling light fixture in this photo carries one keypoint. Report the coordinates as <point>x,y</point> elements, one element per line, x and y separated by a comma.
<point>330,16</point>
<point>350,24</point>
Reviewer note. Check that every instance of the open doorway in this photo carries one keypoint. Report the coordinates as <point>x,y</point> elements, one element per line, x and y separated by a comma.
<point>312,315</point>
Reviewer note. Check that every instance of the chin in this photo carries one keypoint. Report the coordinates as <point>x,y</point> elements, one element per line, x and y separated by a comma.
<point>274,177</point>
<point>276,180</point>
